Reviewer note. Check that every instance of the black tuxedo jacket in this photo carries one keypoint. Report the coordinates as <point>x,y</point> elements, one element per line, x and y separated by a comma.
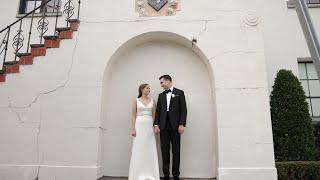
<point>177,109</point>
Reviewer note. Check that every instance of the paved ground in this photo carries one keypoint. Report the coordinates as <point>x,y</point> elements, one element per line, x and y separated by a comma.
<point>124,178</point>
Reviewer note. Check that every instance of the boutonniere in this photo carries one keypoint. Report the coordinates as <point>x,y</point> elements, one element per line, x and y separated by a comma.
<point>174,95</point>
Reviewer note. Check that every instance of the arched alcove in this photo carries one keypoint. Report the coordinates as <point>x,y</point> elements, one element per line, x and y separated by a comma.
<point>143,59</point>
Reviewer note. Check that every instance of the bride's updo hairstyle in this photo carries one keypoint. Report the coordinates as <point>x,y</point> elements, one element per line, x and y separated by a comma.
<point>141,87</point>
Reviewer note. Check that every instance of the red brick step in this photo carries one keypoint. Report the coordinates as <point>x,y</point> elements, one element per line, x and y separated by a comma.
<point>38,50</point>
<point>65,33</point>
<point>51,41</point>
<point>2,76</point>
<point>11,67</point>
<point>25,58</point>
<point>74,24</point>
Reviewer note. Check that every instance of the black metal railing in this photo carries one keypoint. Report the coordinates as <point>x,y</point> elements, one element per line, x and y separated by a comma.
<point>13,36</point>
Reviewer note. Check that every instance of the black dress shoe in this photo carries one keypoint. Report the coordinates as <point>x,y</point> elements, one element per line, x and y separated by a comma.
<point>166,178</point>
<point>176,178</point>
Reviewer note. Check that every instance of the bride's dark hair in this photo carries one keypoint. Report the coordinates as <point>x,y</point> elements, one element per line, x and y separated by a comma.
<point>141,87</point>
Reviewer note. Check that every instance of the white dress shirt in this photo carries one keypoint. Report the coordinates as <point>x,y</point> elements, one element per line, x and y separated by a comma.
<point>169,98</point>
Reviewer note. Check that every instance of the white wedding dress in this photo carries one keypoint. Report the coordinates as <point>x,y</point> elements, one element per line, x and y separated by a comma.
<point>144,158</point>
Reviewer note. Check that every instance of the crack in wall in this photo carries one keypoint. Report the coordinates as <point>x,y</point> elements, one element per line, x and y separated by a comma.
<point>242,88</point>
<point>38,144</point>
<point>35,99</point>
<point>91,127</point>
<point>146,20</point>
<point>205,28</point>
<point>142,19</point>
<point>232,52</point>
<point>40,159</point>
<point>14,111</point>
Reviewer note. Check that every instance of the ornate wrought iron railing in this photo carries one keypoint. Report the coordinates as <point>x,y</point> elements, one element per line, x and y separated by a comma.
<point>17,37</point>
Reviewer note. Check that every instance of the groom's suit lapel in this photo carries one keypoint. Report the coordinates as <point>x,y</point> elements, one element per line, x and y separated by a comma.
<point>173,92</point>
<point>165,99</point>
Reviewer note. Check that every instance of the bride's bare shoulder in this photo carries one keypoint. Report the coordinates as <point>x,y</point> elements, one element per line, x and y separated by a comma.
<point>134,101</point>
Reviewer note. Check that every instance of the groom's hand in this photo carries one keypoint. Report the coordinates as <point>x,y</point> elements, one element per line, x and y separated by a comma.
<point>156,129</point>
<point>181,129</point>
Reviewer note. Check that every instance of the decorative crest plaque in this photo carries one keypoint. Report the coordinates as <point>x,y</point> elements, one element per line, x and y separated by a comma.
<point>157,4</point>
<point>154,8</point>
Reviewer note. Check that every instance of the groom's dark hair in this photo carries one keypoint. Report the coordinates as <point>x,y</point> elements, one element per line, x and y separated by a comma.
<point>166,77</point>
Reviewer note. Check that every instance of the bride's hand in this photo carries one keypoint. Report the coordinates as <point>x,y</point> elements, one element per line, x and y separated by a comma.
<point>133,133</point>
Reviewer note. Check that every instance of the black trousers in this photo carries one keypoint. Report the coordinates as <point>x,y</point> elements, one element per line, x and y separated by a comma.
<point>170,136</point>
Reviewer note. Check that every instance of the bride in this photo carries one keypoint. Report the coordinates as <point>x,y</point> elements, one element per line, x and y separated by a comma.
<point>144,157</point>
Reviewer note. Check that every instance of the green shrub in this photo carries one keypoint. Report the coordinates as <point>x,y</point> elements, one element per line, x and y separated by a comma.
<point>317,139</point>
<point>298,170</point>
<point>291,123</point>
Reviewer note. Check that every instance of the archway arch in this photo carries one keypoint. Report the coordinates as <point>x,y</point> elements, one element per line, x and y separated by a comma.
<point>143,59</point>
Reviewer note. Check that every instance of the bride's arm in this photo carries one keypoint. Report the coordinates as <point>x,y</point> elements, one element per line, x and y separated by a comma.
<point>134,114</point>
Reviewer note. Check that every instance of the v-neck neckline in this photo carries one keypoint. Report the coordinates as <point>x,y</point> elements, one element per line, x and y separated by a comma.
<point>143,103</point>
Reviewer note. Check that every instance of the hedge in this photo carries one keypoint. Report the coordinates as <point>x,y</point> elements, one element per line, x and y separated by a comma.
<point>317,139</point>
<point>298,170</point>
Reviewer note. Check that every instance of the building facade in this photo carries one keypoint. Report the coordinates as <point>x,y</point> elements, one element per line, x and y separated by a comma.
<point>66,115</point>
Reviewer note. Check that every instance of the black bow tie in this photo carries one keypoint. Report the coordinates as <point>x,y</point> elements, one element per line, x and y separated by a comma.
<point>167,91</point>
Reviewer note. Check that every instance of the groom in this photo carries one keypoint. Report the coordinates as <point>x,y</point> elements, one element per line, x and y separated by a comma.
<point>170,122</point>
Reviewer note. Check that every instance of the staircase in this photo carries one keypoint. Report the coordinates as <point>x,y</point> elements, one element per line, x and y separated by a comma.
<point>15,56</point>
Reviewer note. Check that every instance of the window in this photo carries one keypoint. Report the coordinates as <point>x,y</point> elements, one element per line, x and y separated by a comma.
<point>27,6</point>
<point>310,3</point>
<point>313,1</point>
<point>311,85</point>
